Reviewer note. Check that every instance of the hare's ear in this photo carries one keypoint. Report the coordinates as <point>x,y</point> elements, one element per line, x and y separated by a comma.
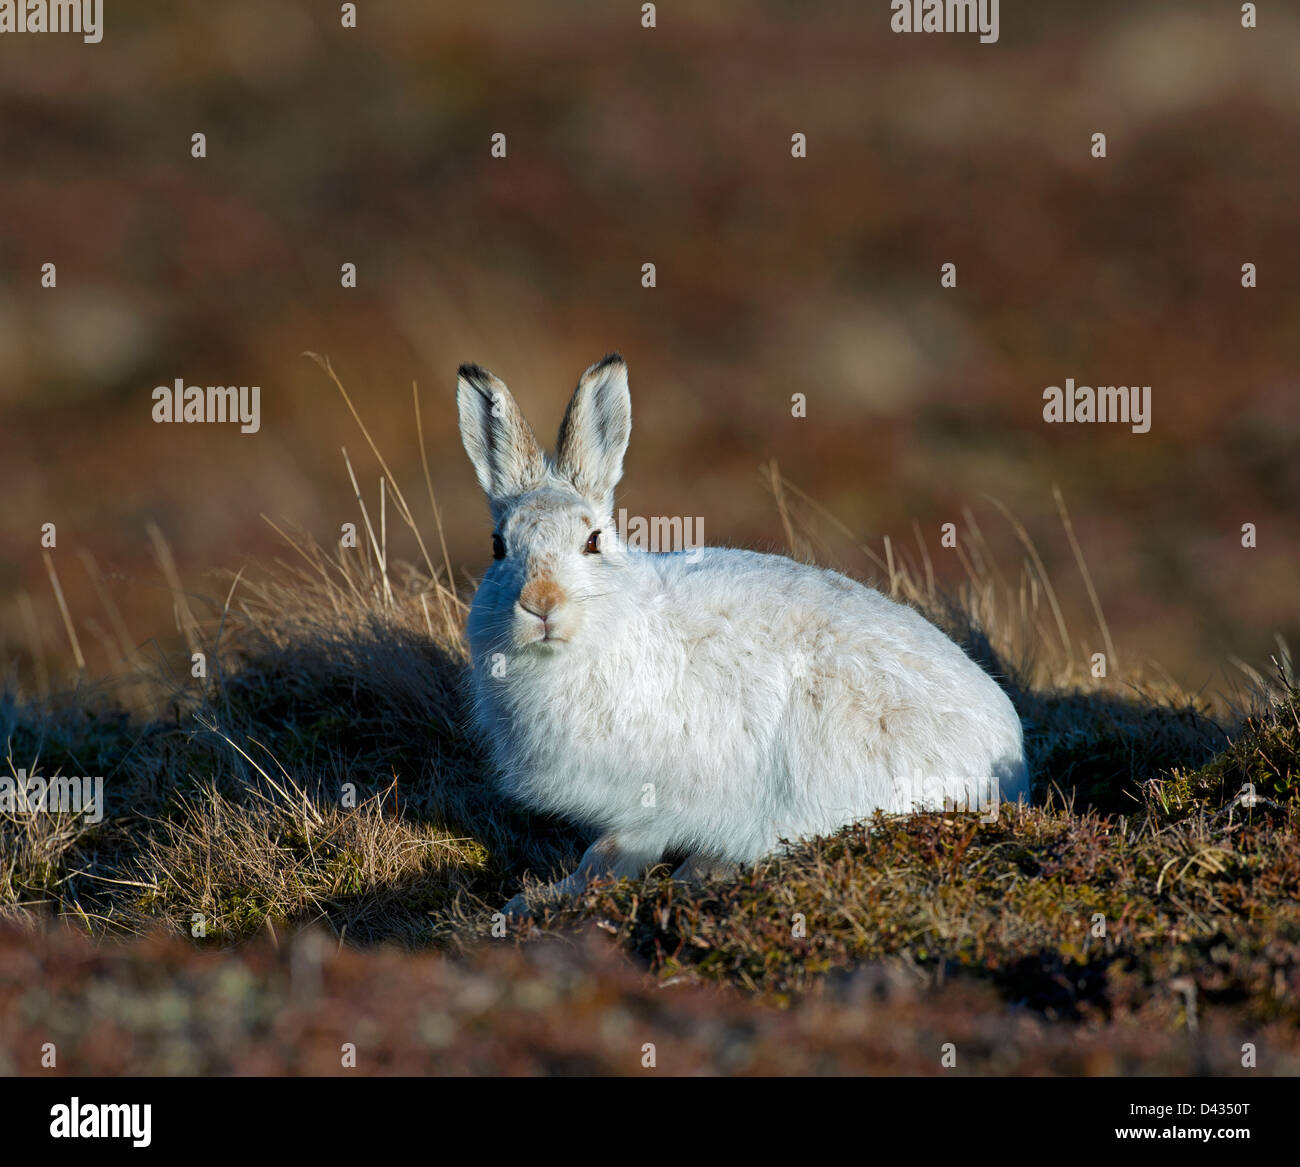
<point>593,436</point>
<point>500,443</point>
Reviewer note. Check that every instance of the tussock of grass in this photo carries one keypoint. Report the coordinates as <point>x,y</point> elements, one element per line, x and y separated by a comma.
<point>321,775</point>
<point>1262,760</point>
<point>320,772</point>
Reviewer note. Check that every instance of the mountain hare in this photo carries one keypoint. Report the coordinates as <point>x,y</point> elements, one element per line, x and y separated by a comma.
<point>705,703</point>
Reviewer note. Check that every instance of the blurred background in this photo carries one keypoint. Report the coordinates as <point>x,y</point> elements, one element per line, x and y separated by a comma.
<point>774,276</point>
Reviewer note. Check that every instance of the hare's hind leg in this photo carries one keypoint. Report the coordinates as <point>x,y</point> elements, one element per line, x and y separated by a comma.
<point>608,856</point>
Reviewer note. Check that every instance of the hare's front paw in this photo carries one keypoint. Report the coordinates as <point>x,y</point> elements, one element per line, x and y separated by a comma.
<point>517,908</point>
<point>702,868</point>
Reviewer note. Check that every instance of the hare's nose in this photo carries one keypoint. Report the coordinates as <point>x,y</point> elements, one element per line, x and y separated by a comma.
<point>541,597</point>
<point>539,612</point>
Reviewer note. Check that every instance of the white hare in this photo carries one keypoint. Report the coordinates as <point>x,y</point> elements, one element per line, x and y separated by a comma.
<point>706,703</point>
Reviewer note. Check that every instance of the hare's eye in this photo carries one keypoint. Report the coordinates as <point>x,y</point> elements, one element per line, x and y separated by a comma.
<point>593,544</point>
<point>498,546</point>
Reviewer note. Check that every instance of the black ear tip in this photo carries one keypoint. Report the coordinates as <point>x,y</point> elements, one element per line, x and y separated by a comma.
<point>610,359</point>
<point>472,372</point>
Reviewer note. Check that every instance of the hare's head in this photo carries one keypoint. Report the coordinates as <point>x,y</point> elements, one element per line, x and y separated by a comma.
<point>554,541</point>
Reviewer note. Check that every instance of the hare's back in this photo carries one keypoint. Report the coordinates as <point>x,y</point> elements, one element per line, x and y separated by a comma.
<point>848,653</point>
<point>791,607</point>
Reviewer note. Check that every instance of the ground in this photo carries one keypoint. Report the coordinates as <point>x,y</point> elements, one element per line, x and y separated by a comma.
<point>306,849</point>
